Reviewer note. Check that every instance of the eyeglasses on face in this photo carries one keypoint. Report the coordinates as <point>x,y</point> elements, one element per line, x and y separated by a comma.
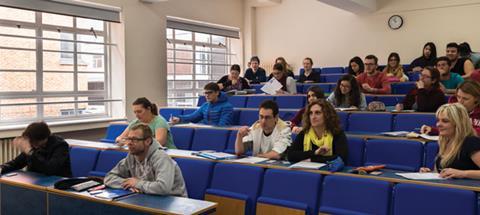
<point>133,139</point>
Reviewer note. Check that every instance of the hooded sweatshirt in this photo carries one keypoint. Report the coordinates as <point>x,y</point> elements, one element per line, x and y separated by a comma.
<point>158,173</point>
<point>219,113</point>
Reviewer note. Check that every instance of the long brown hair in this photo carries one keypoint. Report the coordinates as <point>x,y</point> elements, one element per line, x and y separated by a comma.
<point>332,122</point>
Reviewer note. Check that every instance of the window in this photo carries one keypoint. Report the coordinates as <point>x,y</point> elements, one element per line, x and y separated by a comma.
<point>52,67</point>
<point>193,60</point>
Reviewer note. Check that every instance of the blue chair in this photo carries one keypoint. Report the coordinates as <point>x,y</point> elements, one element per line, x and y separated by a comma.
<point>406,155</point>
<point>235,182</point>
<point>236,117</point>
<point>347,195</point>
<point>332,78</point>
<point>286,115</point>
<point>431,151</point>
<point>406,67</point>
<point>231,142</point>
<point>201,100</point>
<point>257,87</point>
<point>317,70</point>
<point>248,117</point>
<point>210,139</point>
<point>255,101</point>
<point>286,190</point>
<point>332,70</point>
<point>356,148</point>
<point>377,122</point>
<point>167,112</point>
<point>402,87</point>
<point>197,175</point>
<point>421,199</point>
<point>299,88</point>
<point>182,137</point>
<point>82,160</point>
<point>238,101</point>
<point>187,111</point>
<point>388,100</point>
<point>410,122</point>
<point>290,101</point>
<point>343,117</point>
<point>413,76</point>
<point>113,131</point>
<point>107,159</point>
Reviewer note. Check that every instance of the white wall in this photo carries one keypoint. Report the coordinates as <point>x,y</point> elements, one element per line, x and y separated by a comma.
<point>331,36</point>
<point>145,39</point>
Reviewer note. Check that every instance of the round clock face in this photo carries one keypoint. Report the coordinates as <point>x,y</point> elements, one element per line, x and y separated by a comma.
<point>395,22</point>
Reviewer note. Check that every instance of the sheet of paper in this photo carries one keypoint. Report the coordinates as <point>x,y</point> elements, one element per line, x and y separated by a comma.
<point>428,137</point>
<point>346,109</point>
<point>271,86</point>
<point>396,133</point>
<point>307,165</point>
<point>195,125</point>
<point>250,160</point>
<point>421,176</point>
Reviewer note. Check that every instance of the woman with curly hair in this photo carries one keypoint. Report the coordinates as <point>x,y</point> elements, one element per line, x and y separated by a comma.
<point>347,94</point>
<point>321,139</point>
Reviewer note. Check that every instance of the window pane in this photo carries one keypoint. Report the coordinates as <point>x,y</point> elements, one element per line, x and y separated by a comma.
<point>183,71</point>
<point>91,81</point>
<point>89,23</point>
<point>58,35</point>
<point>204,38</point>
<point>185,85</point>
<point>91,63</point>
<point>57,81</point>
<point>17,81</point>
<point>219,71</point>
<point>169,33</point>
<point>57,20</point>
<point>10,59</point>
<point>202,57</point>
<point>17,14</point>
<point>13,42</point>
<point>170,71</point>
<point>89,108</point>
<point>184,56</point>
<point>18,112</point>
<point>218,39</point>
<point>181,46</point>
<point>17,31</point>
<point>219,59</point>
<point>57,46</point>
<point>57,110</point>
<point>183,35</point>
<point>57,61</point>
<point>90,38</point>
<point>92,48</point>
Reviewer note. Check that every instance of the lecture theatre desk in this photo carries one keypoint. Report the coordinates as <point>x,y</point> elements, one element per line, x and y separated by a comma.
<point>33,193</point>
<point>387,174</point>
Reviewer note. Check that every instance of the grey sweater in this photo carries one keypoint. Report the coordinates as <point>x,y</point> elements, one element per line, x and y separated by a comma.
<point>157,174</point>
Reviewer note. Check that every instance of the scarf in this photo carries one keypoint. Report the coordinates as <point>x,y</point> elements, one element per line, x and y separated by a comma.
<point>311,137</point>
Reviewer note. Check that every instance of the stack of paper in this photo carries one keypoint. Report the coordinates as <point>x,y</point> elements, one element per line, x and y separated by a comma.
<point>421,176</point>
<point>216,155</point>
<point>307,165</point>
<point>395,133</point>
<point>250,160</point>
<point>271,87</point>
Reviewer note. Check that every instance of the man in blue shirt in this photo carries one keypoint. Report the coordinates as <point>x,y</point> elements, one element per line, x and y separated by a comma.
<point>216,111</point>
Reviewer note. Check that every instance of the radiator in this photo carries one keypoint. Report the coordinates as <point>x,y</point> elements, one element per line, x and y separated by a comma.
<point>7,151</point>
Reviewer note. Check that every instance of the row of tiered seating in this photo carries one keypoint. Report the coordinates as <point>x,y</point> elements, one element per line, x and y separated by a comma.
<point>350,121</point>
<point>406,155</point>
<point>328,87</point>
<point>296,190</point>
<point>296,101</point>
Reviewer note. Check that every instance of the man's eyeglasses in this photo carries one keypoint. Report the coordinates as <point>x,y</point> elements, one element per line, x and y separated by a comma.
<point>133,139</point>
